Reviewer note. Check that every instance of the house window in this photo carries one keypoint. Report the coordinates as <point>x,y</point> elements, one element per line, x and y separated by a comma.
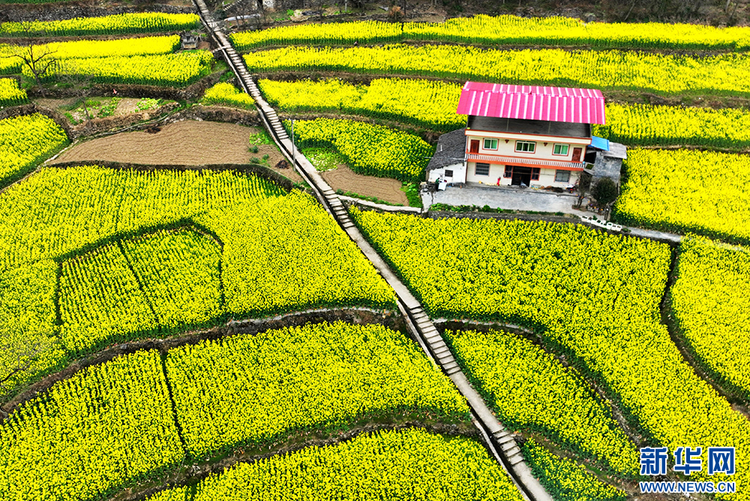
<point>482,169</point>
<point>535,174</point>
<point>490,144</point>
<point>525,146</point>
<point>560,149</point>
<point>562,176</point>
<point>448,173</point>
<point>508,171</point>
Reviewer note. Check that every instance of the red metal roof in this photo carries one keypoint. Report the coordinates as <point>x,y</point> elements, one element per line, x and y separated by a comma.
<point>530,102</point>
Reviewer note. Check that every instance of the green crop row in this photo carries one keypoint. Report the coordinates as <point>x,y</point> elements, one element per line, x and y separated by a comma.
<point>509,30</point>
<point>408,464</point>
<point>529,389</point>
<point>280,253</point>
<point>566,480</point>
<point>372,150</point>
<point>424,103</point>
<point>226,93</point>
<point>24,141</point>
<point>305,379</point>
<point>605,70</point>
<point>164,283</point>
<point>86,49</point>
<point>687,191</point>
<point>176,70</point>
<point>433,104</point>
<point>710,302</point>
<point>10,93</point>
<point>114,424</point>
<point>143,22</point>
<point>592,297</point>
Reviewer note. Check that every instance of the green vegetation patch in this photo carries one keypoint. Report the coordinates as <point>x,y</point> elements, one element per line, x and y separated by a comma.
<point>407,464</point>
<point>100,430</point>
<point>710,302</point>
<point>24,142</point>
<point>566,480</point>
<point>372,150</point>
<point>324,158</point>
<point>255,389</point>
<point>687,191</point>
<point>530,389</point>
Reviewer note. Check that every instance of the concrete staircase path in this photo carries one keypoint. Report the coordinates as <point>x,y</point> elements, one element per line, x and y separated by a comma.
<point>422,327</point>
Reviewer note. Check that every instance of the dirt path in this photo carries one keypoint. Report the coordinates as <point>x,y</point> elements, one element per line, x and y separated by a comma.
<point>181,143</point>
<point>388,190</point>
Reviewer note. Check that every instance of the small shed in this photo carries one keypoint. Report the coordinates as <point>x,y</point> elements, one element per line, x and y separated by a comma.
<point>189,41</point>
<point>448,161</point>
<point>607,161</point>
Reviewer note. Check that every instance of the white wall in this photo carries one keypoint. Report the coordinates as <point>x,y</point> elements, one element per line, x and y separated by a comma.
<point>459,173</point>
<point>541,151</point>
<point>496,171</point>
<point>546,176</point>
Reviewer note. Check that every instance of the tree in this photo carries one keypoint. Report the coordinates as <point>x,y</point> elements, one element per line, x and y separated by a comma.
<point>79,83</point>
<point>605,191</point>
<point>38,59</point>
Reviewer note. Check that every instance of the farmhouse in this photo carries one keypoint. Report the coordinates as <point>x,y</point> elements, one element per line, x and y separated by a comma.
<point>520,135</point>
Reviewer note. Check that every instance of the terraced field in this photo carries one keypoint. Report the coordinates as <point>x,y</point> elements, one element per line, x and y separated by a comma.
<point>140,348</point>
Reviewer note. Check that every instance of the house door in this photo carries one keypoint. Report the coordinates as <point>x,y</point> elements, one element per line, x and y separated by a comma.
<point>577,154</point>
<point>474,146</point>
<point>521,175</point>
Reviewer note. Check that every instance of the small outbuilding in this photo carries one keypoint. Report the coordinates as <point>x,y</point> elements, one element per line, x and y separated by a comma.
<point>189,41</point>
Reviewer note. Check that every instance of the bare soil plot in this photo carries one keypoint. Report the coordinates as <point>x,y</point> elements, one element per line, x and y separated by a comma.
<point>388,190</point>
<point>180,143</point>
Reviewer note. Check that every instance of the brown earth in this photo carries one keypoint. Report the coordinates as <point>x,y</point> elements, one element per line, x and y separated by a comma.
<point>388,190</point>
<point>181,143</point>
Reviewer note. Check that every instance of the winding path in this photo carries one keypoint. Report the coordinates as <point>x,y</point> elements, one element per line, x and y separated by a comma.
<point>500,440</point>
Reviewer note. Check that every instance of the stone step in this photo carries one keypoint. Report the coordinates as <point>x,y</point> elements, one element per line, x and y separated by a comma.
<point>508,446</point>
<point>502,434</point>
<point>440,349</point>
<point>425,324</point>
<point>429,332</point>
<point>516,458</point>
<point>446,360</point>
<point>508,439</point>
<point>451,369</point>
<point>421,316</point>
<point>433,338</point>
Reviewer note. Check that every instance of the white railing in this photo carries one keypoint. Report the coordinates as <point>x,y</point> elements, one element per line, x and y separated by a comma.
<point>525,161</point>
<point>601,224</point>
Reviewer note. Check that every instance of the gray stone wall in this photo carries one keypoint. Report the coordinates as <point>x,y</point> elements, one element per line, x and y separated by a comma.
<point>606,167</point>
